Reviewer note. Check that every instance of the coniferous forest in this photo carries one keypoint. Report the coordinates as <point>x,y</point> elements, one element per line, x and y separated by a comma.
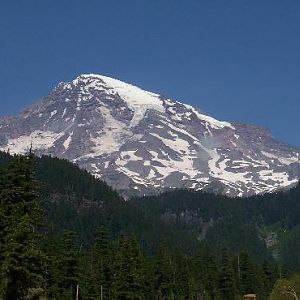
<point>66,235</point>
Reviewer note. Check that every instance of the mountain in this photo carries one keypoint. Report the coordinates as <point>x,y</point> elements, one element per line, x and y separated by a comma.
<point>142,142</point>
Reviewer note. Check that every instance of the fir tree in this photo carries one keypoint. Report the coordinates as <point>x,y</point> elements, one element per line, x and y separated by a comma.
<point>102,263</point>
<point>69,263</point>
<point>54,272</point>
<point>266,279</point>
<point>127,279</point>
<point>247,278</point>
<point>22,266</point>
<point>164,276</point>
<point>210,275</point>
<point>181,278</point>
<point>226,277</point>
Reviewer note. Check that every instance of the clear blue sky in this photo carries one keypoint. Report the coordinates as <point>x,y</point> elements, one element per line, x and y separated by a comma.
<point>235,59</point>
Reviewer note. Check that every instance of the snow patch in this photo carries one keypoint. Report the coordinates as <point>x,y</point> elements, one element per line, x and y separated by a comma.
<point>53,113</point>
<point>67,142</point>
<point>38,140</point>
<point>210,120</point>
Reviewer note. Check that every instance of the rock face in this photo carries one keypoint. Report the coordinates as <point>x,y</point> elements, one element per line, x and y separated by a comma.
<point>140,142</point>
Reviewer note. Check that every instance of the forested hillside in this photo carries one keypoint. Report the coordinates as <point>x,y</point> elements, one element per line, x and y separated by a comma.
<point>265,225</point>
<point>62,230</point>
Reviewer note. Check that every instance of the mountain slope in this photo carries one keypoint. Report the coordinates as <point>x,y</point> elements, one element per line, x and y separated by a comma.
<point>143,142</point>
<point>266,225</point>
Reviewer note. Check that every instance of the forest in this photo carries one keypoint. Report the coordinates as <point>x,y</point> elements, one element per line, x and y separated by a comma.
<point>67,235</point>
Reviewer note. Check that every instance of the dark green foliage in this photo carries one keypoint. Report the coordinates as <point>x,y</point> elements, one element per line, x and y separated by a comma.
<point>190,215</point>
<point>127,277</point>
<point>290,248</point>
<point>22,261</point>
<point>205,273</point>
<point>182,278</point>
<point>62,177</point>
<point>54,274</point>
<point>164,276</point>
<point>267,278</point>
<point>88,241</point>
<point>226,277</point>
<point>102,263</point>
<point>73,199</point>
<point>62,266</point>
<point>247,276</point>
<point>70,263</point>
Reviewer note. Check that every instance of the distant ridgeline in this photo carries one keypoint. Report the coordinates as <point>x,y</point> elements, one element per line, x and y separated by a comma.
<point>263,225</point>
<point>183,223</point>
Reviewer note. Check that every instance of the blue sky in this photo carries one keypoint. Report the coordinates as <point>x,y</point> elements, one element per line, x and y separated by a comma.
<point>237,60</point>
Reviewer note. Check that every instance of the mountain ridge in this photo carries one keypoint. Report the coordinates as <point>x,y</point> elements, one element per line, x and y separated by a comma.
<point>141,142</point>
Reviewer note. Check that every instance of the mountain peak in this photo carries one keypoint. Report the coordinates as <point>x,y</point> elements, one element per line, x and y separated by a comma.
<point>137,99</point>
<point>139,141</point>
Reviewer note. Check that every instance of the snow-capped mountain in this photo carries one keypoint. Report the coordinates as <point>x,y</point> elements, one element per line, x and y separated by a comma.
<point>140,141</point>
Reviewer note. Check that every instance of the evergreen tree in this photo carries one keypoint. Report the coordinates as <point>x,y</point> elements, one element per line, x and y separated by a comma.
<point>102,263</point>
<point>209,275</point>
<point>22,265</point>
<point>54,272</point>
<point>226,277</point>
<point>164,276</point>
<point>247,275</point>
<point>87,285</point>
<point>127,279</point>
<point>70,263</point>
<point>266,279</point>
<point>181,278</point>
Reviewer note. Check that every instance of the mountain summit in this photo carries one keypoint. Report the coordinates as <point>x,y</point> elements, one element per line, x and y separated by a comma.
<point>141,142</point>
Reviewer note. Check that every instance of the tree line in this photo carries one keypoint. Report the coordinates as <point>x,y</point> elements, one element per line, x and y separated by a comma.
<point>39,262</point>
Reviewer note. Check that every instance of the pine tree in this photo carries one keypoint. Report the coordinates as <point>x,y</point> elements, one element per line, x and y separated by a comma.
<point>226,277</point>
<point>210,275</point>
<point>102,263</point>
<point>69,263</point>
<point>127,279</point>
<point>22,266</point>
<point>181,278</point>
<point>266,279</point>
<point>54,273</point>
<point>164,276</point>
<point>247,275</point>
